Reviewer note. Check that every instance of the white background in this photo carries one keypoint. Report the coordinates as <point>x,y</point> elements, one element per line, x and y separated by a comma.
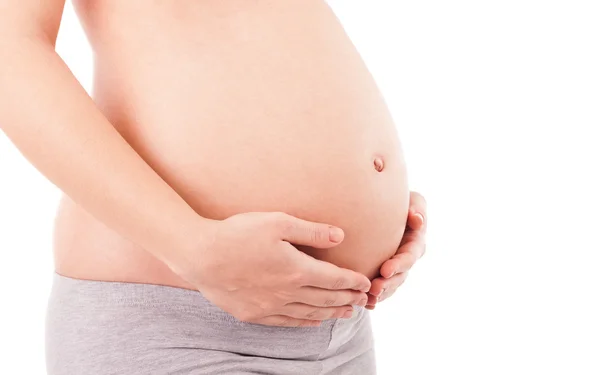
<point>498,107</point>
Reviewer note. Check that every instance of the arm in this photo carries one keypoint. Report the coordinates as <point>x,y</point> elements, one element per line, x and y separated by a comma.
<point>57,127</point>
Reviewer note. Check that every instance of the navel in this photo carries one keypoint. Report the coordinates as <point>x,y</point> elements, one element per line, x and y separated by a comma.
<point>378,163</point>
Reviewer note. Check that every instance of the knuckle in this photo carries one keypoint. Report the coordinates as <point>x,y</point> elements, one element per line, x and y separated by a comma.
<point>266,306</point>
<point>284,225</point>
<point>313,314</point>
<point>362,301</point>
<point>341,312</point>
<point>330,301</point>
<point>316,233</point>
<point>297,322</point>
<point>338,283</point>
<point>285,321</point>
<point>298,278</point>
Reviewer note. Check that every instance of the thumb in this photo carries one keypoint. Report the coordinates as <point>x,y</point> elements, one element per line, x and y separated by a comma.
<point>307,233</point>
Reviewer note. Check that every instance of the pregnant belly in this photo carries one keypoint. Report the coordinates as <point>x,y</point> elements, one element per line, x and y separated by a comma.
<point>269,115</point>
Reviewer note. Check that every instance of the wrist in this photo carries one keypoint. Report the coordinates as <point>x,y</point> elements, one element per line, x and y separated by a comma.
<point>189,245</point>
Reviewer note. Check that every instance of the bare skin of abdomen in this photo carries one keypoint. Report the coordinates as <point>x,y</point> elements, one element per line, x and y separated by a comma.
<point>241,106</point>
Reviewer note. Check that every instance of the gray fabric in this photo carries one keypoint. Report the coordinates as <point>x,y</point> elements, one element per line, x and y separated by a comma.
<point>105,328</point>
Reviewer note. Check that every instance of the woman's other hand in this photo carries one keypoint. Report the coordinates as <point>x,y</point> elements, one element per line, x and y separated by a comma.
<point>412,247</point>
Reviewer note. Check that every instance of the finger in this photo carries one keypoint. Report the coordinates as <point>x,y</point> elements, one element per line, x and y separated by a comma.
<point>307,233</point>
<point>318,297</point>
<point>377,288</point>
<point>392,285</point>
<point>287,321</point>
<point>380,286</point>
<point>303,311</point>
<point>372,299</point>
<point>326,275</point>
<point>417,211</point>
<point>403,261</point>
<point>416,220</point>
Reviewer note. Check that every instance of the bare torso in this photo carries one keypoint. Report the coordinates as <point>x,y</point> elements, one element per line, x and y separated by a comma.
<point>241,106</point>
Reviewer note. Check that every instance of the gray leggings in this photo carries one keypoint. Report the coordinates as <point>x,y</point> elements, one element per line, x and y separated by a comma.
<point>105,328</point>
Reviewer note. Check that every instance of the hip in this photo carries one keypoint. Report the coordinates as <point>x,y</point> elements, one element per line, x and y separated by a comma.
<point>97,327</point>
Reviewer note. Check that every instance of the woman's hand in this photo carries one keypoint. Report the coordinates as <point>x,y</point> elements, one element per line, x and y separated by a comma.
<point>248,267</point>
<point>412,247</point>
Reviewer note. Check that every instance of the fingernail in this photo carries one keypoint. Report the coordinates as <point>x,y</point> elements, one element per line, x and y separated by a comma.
<point>418,214</point>
<point>336,234</point>
<point>348,314</point>
<point>380,293</point>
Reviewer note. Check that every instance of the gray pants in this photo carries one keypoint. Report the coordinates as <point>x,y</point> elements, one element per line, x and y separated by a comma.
<point>105,328</point>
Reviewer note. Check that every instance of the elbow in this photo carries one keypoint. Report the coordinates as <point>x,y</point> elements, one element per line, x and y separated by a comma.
<point>15,47</point>
<point>18,37</point>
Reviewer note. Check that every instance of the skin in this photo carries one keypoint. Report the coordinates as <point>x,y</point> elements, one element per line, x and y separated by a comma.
<point>136,213</point>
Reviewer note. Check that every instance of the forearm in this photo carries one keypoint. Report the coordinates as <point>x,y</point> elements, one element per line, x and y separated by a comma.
<point>57,127</point>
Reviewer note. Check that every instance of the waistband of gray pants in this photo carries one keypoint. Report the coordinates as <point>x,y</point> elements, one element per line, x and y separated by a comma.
<point>117,293</point>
